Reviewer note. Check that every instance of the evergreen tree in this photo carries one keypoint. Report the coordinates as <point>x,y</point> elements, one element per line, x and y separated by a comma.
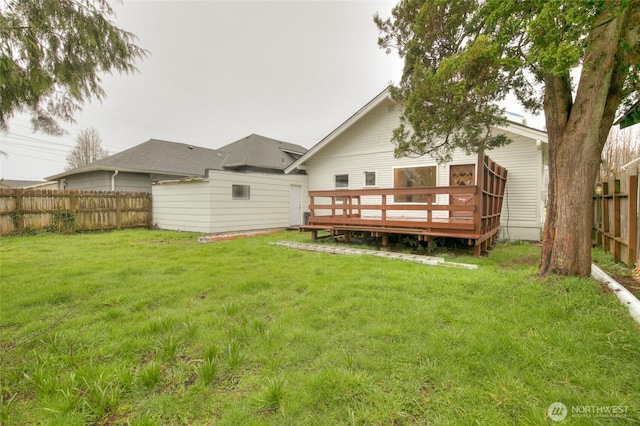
<point>577,59</point>
<point>51,55</point>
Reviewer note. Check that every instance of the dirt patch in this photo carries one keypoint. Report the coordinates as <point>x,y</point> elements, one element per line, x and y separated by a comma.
<point>233,236</point>
<point>629,282</point>
<point>529,261</point>
<point>604,287</point>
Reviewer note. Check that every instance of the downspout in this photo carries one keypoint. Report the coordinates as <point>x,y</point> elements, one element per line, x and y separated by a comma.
<point>113,181</point>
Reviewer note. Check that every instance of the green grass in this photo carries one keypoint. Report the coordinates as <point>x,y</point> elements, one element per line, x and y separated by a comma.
<point>150,327</point>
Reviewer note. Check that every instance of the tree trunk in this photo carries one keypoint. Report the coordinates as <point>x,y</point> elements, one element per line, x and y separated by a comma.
<point>567,235</point>
<point>577,132</point>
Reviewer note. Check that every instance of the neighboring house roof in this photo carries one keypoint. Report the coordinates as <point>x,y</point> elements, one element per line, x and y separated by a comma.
<point>631,117</point>
<point>155,157</point>
<point>635,161</point>
<point>383,96</point>
<point>10,183</point>
<point>165,158</point>
<point>255,151</point>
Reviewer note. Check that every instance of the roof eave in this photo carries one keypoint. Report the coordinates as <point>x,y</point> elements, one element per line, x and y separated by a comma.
<point>381,97</point>
<point>113,169</point>
<point>526,131</point>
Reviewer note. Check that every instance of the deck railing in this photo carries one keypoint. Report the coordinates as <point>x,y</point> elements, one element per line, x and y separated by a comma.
<point>375,209</point>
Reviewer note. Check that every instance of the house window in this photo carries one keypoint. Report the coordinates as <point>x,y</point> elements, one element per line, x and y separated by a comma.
<point>369,178</point>
<point>342,181</point>
<point>240,192</point>
<point>411,177</point>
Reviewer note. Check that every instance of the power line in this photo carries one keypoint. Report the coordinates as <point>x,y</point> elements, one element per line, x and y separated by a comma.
<point>156,128</point>
<point>32,139</point>
<point>72,140</point>
<point>27,147</point>
<point>32,157</point>
<point>26,138</point>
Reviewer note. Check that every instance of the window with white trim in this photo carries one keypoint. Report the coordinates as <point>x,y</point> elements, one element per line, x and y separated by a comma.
<point>342,181</point>
<point>411,177</point>
<point>369,178</point>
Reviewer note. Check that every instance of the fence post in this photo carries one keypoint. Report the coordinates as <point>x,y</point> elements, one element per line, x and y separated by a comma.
<point>597,216</point>
<point>616,220</point>
<point>632,227</point>
<point>118,211</point>
<point>605,216</point>
<point>150,199</point>
<point>18,210</point>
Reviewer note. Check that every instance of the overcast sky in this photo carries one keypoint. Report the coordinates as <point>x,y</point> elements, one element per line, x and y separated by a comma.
<point>220,71</point>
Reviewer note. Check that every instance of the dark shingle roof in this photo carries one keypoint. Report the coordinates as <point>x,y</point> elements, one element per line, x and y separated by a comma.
<point>257,151</point>
<point>178,159</point>
<point>156,156</point>
<point>14,183</point>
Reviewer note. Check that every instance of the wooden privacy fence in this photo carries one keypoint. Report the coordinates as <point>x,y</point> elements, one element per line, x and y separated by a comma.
<point>36,210</point>
<point>616,218</point>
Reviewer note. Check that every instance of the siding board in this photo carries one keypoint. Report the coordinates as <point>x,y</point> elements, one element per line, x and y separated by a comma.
<point>207,206</point>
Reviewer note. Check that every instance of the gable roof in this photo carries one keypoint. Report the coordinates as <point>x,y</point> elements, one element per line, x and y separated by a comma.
<point>155,156</point>
<point>257,151</point>
<point>382,97</point>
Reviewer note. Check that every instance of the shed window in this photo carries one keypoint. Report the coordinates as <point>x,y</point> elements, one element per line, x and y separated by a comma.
<point>342,181</point>
<point>412,177</point>
<point>240,192</point>
<point>369,178</point>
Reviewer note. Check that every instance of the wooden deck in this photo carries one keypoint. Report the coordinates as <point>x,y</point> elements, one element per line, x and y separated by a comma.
<point>373,210</point>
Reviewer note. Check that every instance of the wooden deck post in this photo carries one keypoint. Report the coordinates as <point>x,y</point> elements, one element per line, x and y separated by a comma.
<point>480,207</point>
<point>384,209</point>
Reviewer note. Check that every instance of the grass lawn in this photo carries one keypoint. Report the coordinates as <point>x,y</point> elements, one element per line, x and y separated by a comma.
<point>150,327</point>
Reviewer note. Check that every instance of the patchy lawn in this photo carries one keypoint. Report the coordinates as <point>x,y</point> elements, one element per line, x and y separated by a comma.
<point>151,327</point>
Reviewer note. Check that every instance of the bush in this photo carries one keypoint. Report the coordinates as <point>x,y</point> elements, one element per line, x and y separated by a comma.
<point>62,222</point>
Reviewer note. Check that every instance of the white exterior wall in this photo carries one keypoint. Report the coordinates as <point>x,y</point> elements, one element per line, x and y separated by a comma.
<point>522,215</point>
<point>182,206</point>
<point>208,207</point>
<point>267,207</point>
<point>366,146</point>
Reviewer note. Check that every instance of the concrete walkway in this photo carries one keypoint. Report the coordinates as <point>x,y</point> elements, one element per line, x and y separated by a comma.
<point>425,260</point>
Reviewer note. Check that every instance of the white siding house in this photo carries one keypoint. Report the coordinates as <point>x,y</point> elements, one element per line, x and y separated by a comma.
<point>359,154</point>
<point>230,201</point>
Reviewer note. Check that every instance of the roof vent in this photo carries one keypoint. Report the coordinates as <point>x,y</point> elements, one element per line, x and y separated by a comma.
<point>190,146</point>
